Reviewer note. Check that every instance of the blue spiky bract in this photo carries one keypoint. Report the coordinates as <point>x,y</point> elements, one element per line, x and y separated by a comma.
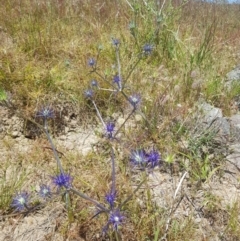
<point>20,201</point>
<point>110,129</point>
<point>115,42</point>
<point>139,158</point>
<point>94,83</point>
<point>135,100</point>
<point>154,159</point>
<point>117,80</point>
<point>147,49</point>
<point>110,198</point>
<point>145,160</point>
<point>46,112</point>
<point>116,218</point>
<point>91,62</point>
<point>88,93</point>
<point>62,180</point>
<point>45,191</point>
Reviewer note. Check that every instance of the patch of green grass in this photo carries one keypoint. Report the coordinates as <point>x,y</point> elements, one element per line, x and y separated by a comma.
<point>232,228</point>
<point>10,183</point>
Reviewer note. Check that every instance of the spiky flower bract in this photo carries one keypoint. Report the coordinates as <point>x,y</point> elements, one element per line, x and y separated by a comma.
<point>88,93</point>
<point>20,201</point>
<point>117,80</point>
<point>46,112</point>
<point>115,42</point>
<point>45,191</point>
<point>147,49</point>
<point>62,180</point>
<point>91,62</point>
<point>154,158</point>
<point>135,100</point>
<point>116,219</point>
<point>94,83</point>
<point>139,158</point>
<point>110,129</point>
<point>144,160</point>
<point>110,198</point>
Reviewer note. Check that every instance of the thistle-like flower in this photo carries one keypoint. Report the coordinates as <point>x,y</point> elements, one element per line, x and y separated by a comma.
<point>116,219</point>
<point>117,80</point>
<point>110,129</point>
<point>20,201</point>
<point>94,83</point>
<point>139,158</point>
<point>45,191</point>
<point>147,49</point>
<point>62,180</point>
<point>135,100</point>
<point>91,62</point>
<point>46,113</point>
<point>145,160</point>
<point>154,159</point>
<point>115,42</point>
<point>110,198</point>
<point>88,93</point>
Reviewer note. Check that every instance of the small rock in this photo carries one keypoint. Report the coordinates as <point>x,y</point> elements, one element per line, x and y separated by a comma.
<point>233,77</point>
<point>234,74</point>
<point>213,117</point>
<point>235,120</point>
<point>62,138</point>
<point>15,134</point>
<point>138,118</point>
<point>234,158</point>
<point>66,129</point>
<point>120,121</point>
<point>69,145</point>
<point>210,112</point>
<point>86,150</point>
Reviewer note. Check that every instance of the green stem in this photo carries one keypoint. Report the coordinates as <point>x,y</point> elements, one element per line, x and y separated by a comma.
<point>130,197</point>
<point>53,147</point>
<point>119,68</point>
<point>98,114</point>
<point>82,195</point>
<point>124,122</point>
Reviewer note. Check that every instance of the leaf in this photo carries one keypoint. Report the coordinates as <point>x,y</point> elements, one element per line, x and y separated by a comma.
<point>3,95</point>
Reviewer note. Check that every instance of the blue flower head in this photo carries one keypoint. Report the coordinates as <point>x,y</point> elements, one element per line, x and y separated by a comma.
<point>88,93</point>
<point>135,100</point>
<point>110,198</point>
<point>116,219</point>
<point>20,201</point>
<point>91,62</point>
<point>94,83</point>
<point>115,42</point>
<point>45,191</point>
<point>147,49</point>
<point>63,180</point>
<point>110,129</point>
<point>117,80</point>
<point>139,158</point>
<point>154,159</point>
<point>46,112</point>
